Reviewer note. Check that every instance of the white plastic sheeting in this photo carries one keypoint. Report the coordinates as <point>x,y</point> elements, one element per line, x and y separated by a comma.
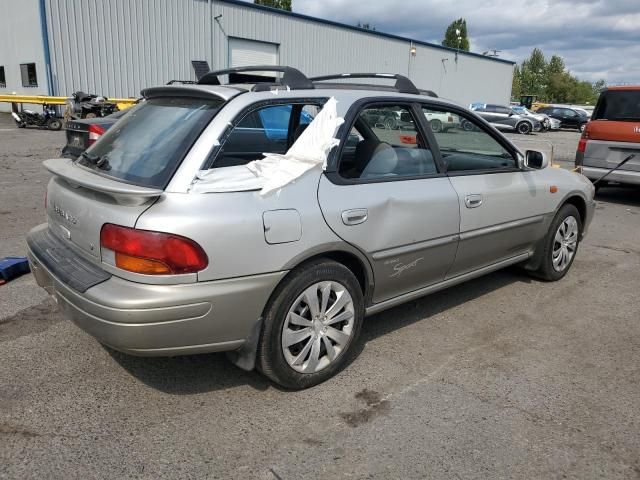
<point>275,171</point>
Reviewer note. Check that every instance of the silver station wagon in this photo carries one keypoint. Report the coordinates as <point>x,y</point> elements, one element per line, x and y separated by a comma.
<point>141,255</point>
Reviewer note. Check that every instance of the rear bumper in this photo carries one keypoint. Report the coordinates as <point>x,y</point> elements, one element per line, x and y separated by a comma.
<point>620,176</point>
<point>156,320</point>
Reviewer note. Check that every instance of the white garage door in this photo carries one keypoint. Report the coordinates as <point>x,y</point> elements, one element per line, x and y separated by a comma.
<point>243,53</point>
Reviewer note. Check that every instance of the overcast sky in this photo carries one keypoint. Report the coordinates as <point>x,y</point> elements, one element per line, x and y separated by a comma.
<point>596,38</point>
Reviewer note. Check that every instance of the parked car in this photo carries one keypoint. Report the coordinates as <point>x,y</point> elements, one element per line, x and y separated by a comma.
<point>139,258</point>
<point>504,118</point>
<point>611,136</point>
<point>546,121</point>
<point>569,117</point>
<point>81,134</point>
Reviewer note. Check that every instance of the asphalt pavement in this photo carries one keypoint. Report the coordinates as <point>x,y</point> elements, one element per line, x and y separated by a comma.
<point>501,377</point>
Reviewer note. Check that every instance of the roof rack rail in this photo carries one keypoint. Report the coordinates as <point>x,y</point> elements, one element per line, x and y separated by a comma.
<point>403,84</point>
<point>292,78</point>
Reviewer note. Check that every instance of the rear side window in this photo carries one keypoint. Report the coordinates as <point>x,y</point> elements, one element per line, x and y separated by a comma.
<point>618,105</point>
<point>268,129</point>
<point>147,144</point>
<point>385,144</point>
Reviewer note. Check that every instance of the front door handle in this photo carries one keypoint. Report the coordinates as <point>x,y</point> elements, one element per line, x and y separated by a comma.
<point>473,200</point>
<point>355,216</point>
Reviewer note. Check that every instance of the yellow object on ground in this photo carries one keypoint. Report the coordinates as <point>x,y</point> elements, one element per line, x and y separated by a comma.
<point>45,99</point>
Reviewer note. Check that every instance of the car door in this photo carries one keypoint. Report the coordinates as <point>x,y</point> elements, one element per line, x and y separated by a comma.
<point>503,118</point>
<point>390,198</point>
<point>570,118</point>
<point>502,207</point>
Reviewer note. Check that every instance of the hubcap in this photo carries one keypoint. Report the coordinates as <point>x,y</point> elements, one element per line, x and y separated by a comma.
<point>564,244</point>
<point>318,327</point>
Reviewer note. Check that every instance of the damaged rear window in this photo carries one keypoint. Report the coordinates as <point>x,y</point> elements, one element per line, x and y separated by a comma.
<point>146,146</point>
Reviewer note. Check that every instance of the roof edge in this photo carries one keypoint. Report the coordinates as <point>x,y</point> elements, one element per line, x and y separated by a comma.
<point>248,4</point>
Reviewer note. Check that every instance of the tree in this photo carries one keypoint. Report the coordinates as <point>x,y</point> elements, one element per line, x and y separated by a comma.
<point>456,35</point>
<point>281,4</point>
<point>366,26</point>
<point>516,87</point>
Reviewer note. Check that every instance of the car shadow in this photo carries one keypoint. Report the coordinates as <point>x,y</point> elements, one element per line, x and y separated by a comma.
<point>192,374</point>
<point>619,194</point>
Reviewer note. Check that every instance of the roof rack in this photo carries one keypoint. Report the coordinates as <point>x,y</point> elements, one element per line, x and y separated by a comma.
<point>402,85</point>
<point>292,78</point>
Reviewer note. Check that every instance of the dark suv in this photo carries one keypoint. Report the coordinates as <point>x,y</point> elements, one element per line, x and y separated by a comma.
<point>569,117</point>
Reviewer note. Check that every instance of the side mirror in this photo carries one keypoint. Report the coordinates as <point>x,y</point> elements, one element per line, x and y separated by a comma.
<point>535,159</point>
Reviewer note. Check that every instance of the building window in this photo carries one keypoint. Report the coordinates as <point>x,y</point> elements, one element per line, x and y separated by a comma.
<point>28,74</point>
<point>3,80</point>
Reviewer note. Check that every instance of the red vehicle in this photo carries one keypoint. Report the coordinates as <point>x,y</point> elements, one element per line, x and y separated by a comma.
<point>612,136</point>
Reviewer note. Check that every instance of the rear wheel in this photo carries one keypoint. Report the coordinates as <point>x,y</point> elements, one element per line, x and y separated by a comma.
<point>582,127</point>
<point>560,244</point>
<point>436,126</point>
<point>311,325</point>
<point>54,124</point>
<point>468,126</point>
<point>390,123</point>
<point>524,128</point>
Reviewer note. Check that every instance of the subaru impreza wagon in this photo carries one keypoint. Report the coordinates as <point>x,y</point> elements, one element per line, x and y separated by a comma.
<point>149,265</point>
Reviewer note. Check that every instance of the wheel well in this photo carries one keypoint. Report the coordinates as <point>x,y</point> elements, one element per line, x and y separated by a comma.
<point>350,261</point>
<point>580,204</point>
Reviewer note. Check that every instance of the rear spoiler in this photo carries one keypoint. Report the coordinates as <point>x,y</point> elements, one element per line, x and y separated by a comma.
<point>123,193</point>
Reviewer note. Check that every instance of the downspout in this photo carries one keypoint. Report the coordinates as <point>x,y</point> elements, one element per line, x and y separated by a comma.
<point>45,44</point>
<point>212,65</point>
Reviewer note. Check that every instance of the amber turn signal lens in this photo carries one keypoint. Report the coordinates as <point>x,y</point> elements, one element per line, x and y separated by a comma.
<point>553,189</point>
<point>141,265</point>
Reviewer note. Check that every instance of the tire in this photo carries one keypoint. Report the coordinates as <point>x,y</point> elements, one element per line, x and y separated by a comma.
<point>548,270</point>
<point>524,128</point>
<point>90,115</point>
<point>390,123</point>
<point>582,127</point>
<point>285,365</point>
<point>54,124</point>
<point>436,126</point>
<point>468,126</point>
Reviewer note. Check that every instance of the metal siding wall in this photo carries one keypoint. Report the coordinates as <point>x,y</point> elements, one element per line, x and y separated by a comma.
<point>21,42</point>
<point>118,47</point>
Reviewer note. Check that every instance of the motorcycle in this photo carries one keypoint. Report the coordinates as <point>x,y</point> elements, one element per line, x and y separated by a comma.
<point>85,105</point>
<point>47,119</point>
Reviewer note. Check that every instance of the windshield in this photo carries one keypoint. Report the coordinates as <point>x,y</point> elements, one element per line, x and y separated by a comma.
<point>148,143</point>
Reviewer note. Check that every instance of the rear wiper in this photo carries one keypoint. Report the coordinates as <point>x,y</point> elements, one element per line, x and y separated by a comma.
<point>88,156</point>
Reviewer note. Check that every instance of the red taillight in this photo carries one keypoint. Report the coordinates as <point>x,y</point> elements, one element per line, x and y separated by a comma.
<point>95,132</point>
<point>582,144</point>
<point>152,253</point>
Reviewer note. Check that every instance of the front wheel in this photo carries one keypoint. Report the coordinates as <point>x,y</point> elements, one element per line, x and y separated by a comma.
<point>561,244</point>
<point>311,325</point>
<point>436,126</point>
<point>524,128</point>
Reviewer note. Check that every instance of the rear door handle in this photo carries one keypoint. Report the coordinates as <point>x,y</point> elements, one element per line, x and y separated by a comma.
<point>473,200</point>
<point>355,216</point>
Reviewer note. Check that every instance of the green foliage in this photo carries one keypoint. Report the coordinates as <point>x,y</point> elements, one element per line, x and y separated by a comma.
<point>452,39</point>
<point>281,4</point>
<point>551,81</point>
<point>366,26</point>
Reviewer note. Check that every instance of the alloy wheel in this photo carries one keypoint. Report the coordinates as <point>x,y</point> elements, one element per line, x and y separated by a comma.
<point>318,327</point>
<point>564,244</point>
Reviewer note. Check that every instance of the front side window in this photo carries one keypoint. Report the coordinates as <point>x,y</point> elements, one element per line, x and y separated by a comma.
<point>269,129</point>
<point>468,148</point>
<point>384,143</point>
<point>28,74</point>
<point>3,79</point>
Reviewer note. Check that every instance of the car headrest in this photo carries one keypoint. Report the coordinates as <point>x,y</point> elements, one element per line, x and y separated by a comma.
<point>383,161</point>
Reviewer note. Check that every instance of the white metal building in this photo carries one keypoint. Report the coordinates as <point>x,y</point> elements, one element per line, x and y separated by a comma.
<point>117,47</point>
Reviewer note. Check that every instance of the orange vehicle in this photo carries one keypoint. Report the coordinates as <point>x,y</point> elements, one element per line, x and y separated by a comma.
<point>612,138</point>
